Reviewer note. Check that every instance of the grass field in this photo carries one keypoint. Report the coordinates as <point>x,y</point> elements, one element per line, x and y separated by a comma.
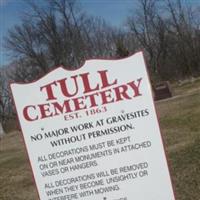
<point>180,124</point>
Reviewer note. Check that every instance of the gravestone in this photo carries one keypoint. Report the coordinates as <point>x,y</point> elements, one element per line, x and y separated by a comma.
<point>1,130</point>
<point>162,90</point>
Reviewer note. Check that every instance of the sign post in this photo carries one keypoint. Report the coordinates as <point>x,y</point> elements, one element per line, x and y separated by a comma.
<point>93,133</point>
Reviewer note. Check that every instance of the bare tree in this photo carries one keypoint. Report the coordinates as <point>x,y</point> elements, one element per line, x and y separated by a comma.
<point>59,34</point>
<point>5,99</point>
<point>184,28</point>
<point>149,28</point>
<point>168,31</point>
<point>48,36</point>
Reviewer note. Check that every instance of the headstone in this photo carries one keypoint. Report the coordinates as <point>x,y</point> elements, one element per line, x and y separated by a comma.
<point>1,130</point>
<point>93,133</point>
<point>162,90</point>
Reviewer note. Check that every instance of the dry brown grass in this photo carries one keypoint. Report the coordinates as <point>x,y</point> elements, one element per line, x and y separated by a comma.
<point>180,124</point>
<point>15,177</point>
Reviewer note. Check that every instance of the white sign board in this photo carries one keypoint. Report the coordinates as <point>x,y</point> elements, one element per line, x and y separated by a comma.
<point>93,133</point>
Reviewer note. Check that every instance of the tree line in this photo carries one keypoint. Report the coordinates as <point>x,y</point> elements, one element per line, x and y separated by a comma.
<point>58,32</point>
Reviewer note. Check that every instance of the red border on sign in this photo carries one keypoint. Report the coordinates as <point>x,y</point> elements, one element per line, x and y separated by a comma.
<point>101,58</point>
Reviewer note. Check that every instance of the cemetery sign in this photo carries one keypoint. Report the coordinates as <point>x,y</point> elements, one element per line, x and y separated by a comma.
<point>93,133</point>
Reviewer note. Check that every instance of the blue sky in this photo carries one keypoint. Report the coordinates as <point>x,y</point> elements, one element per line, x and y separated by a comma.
<point>113,11</point>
